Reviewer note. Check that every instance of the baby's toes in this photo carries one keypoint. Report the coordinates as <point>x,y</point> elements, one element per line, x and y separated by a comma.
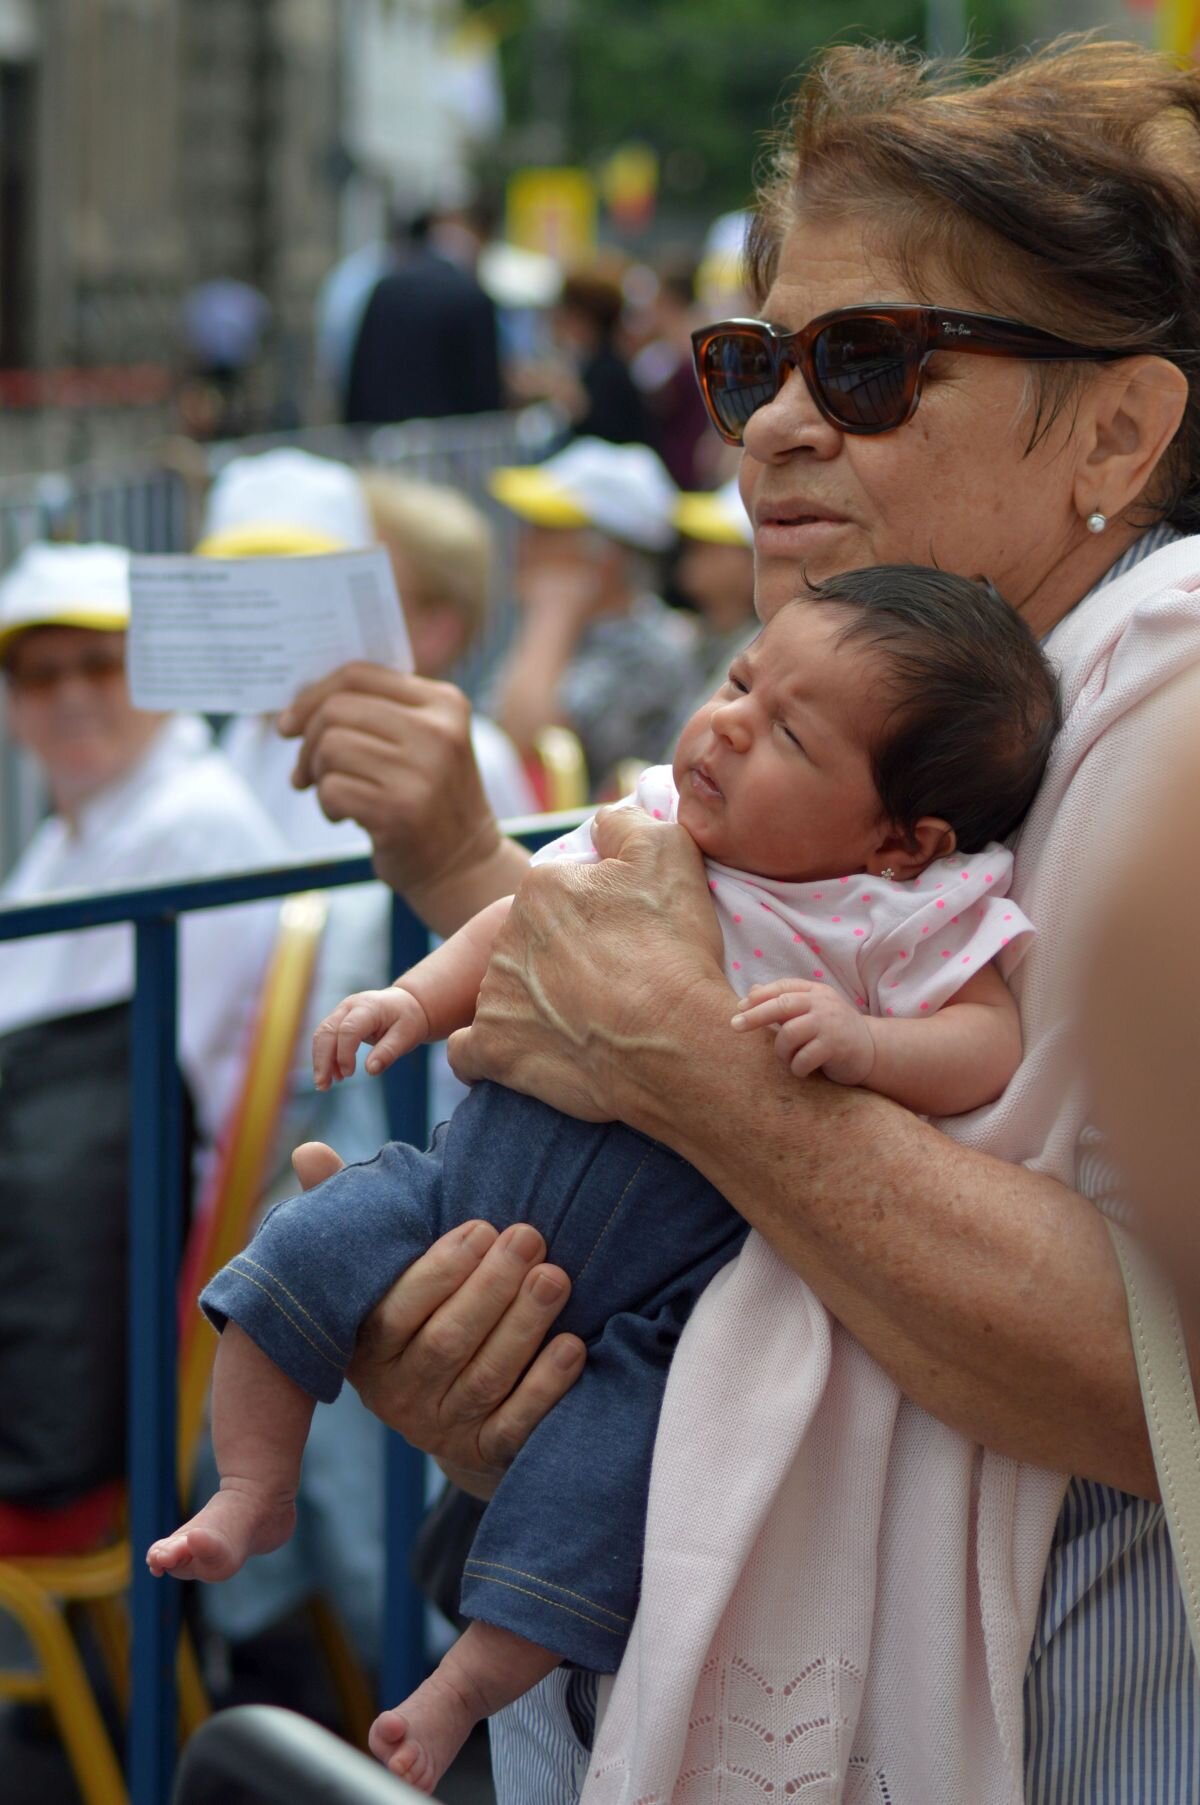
<point>167,1556</point>
<point>386,1734</point>
<point>411,1763</point>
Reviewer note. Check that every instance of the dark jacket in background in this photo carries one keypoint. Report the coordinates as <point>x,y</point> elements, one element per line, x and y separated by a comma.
<point>427,347</point>
<point>616,410</point>
<point>64,1289</point>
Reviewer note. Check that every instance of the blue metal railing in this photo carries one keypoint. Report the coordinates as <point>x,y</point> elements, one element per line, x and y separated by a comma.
<point>154,1252</point>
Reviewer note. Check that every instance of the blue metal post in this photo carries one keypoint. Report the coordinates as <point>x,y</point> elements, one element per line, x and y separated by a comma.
<point>155,1231</point>
<point>407,1091</point>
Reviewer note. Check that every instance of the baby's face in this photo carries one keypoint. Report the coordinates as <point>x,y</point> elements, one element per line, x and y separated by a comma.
<point>774,773</point>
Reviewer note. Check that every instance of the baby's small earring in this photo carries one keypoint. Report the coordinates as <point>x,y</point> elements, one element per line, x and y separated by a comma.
<point>887,872</point>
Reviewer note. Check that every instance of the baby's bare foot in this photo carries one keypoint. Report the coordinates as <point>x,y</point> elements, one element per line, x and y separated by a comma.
<point>420,1738</point>
<point>219,1539</point>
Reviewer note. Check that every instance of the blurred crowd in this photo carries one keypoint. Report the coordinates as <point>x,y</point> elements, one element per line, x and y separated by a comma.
<point>630,589</point>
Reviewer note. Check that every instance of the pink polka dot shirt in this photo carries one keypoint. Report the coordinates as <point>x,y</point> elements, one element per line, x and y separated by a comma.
<point>890,948</point>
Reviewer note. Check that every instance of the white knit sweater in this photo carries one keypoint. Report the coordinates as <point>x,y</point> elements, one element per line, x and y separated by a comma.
<point>839,1592</point>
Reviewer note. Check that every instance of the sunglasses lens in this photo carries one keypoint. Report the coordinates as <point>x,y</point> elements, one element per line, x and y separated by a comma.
<point>862,368</point>
<point>737,377</point>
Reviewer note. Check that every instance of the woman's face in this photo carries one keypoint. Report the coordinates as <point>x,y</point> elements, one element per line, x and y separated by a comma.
<point>68,704</point>
<point>952,487</point>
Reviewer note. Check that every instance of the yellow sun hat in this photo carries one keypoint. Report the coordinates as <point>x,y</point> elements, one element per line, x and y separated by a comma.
<point>284,504</point>
<point>717,516</point>
<point>65,586</point>
<point>621,490</point>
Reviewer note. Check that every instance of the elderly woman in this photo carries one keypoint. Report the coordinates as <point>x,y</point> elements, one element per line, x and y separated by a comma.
<point>982,324</point>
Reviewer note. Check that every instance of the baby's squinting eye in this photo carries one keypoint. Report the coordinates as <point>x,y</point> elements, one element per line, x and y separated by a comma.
<point>737,684</point>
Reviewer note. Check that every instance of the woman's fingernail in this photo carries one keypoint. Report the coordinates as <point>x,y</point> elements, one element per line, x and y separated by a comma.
<point>524,1242</point>
<point>738,1021</point>
<point>546,1288</point>
<point>568,1355</point>
<point>478,1238</point>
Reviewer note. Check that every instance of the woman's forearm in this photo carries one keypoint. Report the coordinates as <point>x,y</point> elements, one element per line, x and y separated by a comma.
<point>989,1293</point>
<point>448,900</point>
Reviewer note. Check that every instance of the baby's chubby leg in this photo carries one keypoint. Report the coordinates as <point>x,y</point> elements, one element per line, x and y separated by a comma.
<point>486,1669</point>
<point>260,1422</point>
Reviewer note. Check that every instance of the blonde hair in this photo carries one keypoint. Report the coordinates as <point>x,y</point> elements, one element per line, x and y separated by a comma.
<point>443,539</point>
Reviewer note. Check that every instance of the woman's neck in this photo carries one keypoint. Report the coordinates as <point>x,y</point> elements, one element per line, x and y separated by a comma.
<point>1075,575</point>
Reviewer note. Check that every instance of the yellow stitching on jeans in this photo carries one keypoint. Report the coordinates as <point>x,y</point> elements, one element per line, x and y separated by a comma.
<point>554,1605</point>
<point>259,1267</point>
<point>503,1567</point>
<point>320,1352</point>
<point>616,1206</point>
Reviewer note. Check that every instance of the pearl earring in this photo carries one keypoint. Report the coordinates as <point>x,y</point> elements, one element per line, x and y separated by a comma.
<point>887,872</point>
<point>1097,522</point>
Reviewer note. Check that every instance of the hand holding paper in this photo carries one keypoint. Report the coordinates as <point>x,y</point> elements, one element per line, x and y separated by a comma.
<point>244,635</point>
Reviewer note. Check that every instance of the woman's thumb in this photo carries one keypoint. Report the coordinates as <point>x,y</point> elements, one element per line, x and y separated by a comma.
<point>314,1162</point>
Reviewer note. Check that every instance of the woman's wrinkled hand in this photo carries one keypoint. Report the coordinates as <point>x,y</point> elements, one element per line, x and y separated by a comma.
<point>588,994</point>
<point>393,752</point>
<point>450,1359</point>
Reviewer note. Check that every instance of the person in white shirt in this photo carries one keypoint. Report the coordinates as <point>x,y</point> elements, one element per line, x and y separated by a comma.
<point>288,503</point>
<point>136,798</point>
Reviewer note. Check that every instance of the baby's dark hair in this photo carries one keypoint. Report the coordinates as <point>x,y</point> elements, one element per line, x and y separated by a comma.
<point>975,700</point>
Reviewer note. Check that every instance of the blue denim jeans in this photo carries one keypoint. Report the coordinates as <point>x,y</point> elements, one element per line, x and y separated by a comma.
<point>558,1554</point>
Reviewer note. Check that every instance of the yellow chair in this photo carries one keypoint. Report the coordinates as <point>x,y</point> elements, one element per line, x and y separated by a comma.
<point>563,768</point>
<point>38,1590</point>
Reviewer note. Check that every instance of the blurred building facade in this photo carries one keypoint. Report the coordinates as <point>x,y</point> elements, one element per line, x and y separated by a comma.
<point>148,146</point>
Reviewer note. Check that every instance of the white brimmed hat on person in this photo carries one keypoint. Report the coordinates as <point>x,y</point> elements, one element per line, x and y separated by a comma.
<point>284,504</point>
<point>717,516</point>
<point>623,491</point>
<point>65,586</point>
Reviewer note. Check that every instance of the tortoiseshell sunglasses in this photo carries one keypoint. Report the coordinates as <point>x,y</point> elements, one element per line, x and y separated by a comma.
<point>864,366</point>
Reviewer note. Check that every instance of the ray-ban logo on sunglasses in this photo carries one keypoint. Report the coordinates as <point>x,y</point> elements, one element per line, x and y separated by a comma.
<point>953,331</point>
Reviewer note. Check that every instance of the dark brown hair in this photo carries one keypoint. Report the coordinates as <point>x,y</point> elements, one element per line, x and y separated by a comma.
<point>974,703</point>
<point>596,294</point>
<point>1061,187</point>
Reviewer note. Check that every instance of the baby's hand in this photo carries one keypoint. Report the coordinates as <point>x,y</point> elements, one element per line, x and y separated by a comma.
<point>391,1021</point>
<point>817,1029</point>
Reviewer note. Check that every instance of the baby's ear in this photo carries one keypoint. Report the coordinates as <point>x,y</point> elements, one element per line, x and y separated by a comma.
<point>906,855</point>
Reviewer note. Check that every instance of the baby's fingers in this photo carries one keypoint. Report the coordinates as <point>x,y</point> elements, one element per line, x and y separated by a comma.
<point>780,1008</point>
<point>400,1038</point>
<point>324,1048</point>
<point>802,1046</point>
<point>360,1023</point>
<point>758,993</point>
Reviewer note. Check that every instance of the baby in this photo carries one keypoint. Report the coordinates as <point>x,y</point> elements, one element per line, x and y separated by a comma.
<point>848,786</point>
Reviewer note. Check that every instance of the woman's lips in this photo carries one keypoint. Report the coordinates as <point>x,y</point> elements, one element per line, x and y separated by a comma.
<point>796,534</point>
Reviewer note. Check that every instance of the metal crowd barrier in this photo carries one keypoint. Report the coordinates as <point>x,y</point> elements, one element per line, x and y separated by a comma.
<point>261,1755</point>
<point>156,1212</point>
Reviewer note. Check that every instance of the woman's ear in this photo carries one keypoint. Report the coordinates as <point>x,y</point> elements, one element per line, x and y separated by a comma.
<point>1130,413</point>
<point>906,855</point>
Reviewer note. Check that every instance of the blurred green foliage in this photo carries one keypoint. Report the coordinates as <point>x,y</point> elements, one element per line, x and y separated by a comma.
<point>701,81</point>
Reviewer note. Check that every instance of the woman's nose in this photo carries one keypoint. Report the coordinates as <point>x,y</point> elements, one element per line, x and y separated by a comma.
<point>791,422</point>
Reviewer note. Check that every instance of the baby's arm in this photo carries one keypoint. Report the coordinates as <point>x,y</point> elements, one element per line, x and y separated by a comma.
<point>427,1003</point>
<point>260,1422</point>
<point>958,1059</point>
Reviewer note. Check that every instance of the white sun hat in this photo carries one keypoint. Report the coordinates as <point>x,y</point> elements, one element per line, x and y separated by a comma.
<point>717,516</point>
<point>621,490</point>
<point>65,586</point>
<point>284,503</point>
